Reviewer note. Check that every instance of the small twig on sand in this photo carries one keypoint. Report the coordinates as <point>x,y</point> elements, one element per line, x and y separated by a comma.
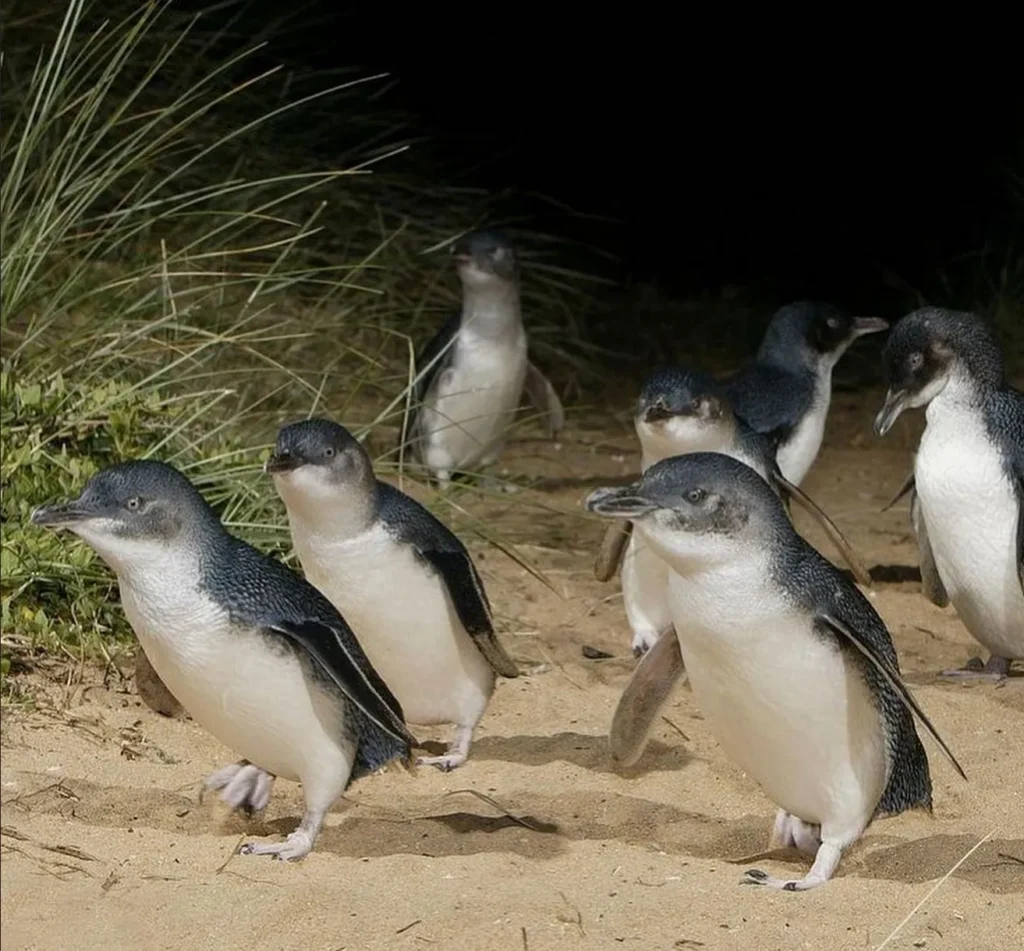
<point>233,853</point>
<point>674,727</point>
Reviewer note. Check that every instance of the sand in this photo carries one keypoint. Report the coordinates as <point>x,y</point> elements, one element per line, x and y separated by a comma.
<point>106,846</point>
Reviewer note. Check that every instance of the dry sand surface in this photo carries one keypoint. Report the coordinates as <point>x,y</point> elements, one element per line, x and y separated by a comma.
<point>106,846</point>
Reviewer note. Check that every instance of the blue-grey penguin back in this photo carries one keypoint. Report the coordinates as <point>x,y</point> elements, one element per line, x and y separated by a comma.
<point>774,391</point>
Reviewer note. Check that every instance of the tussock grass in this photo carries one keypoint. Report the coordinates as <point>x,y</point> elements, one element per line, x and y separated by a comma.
<point>183,271</point>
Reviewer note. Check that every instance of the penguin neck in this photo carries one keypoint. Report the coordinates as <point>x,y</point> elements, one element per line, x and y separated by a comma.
<point>346,513</point>
<point>962,394</point>
<point>717,436</point>
<point>492,309</point>
<point>705,558</point>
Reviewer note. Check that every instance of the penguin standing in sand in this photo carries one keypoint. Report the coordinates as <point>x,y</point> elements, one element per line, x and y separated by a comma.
<point>471,375</point>
<point>680,411</point>
<point>405,583</point>
<point>255,654</point>
<point>790,665</point>
<point>968,509</point>
<point>787,389</point>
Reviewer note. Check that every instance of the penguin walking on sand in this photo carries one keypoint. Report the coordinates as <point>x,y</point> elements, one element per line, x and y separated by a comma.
<point>403,580</point>
<point>787,389</point>
<point>790,665</point>
<point>968,481</point>
<point>679,411</point>
<point>255,654</point>
<point>471,375</point>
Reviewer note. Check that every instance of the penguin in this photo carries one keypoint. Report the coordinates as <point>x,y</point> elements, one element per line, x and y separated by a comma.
<point>471,375</point>
<point>250,650</point>
<point>786,390</point>
<point>405,582</point>
<point>968,479</point>
<point>794,672</point>
<point>681,410</point>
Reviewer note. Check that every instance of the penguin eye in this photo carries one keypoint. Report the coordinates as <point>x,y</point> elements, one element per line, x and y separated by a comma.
<point>696,402</point>
<point>695,495</point>
<point>915,360</point>
<point>133,504</point>
<point>833,323</point>
<point>329,452</point>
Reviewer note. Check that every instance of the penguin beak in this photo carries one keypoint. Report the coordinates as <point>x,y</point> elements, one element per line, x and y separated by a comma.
<point>280,462</point>
<point>868,325</point>
<point>60,514</point>
<point>618,502</point>
<point>656,412</point>
<point>895,403</point>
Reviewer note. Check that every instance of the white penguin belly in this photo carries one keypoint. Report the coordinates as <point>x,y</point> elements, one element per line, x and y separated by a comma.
<point>474,404</point>
<point>796,456</point>
<point>644,591</point>
<point>249,692</point>
<point>400,612</point>
<point>781,700</point>
<point>970,513</point>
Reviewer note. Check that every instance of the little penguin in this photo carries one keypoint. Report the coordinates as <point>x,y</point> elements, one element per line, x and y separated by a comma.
<point>968,479</point>
<point>471,375</point>
<point>402,579</point>
<point>681,410</point>
<point>254,653</point>
<point>787,389</point>
<point>790,665</point>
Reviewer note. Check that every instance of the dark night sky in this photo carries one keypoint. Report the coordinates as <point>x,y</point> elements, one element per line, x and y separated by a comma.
<point>792,168</point>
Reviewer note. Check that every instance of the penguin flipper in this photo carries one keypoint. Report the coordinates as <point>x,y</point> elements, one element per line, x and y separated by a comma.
<point>609,555</point>
<point>542,394</point>
<point>1019,473</point>
<point>466,590</point>
<point>931,584</point>
<point>331,649</point>
<point>849,633</point>
<point>153,691</point>
<point>908,486</point>
<point>435,357</point>
<point>857,566</point>
<point>654,677</point>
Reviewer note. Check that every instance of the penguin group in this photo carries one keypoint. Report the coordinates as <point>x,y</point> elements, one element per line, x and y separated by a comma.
<point>388,623</point>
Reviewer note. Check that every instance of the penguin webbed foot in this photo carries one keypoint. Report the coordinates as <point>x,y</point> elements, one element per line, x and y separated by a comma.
<point>996,670</point>
<point>457,754</point>
<point>298,845</point>
<point>825,863</point>
<point>244,786</point>
<point>445,763</point>
<point>643,642</point>
<point>756,876</point>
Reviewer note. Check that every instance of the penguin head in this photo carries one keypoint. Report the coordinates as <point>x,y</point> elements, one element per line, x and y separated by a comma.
<point>316,462</point>
<point>485,257</point>
<point>925,350</point>
<point>815,328</point>
<point>681,410</point>
<point>134,512</point>
<point>699,507</point>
